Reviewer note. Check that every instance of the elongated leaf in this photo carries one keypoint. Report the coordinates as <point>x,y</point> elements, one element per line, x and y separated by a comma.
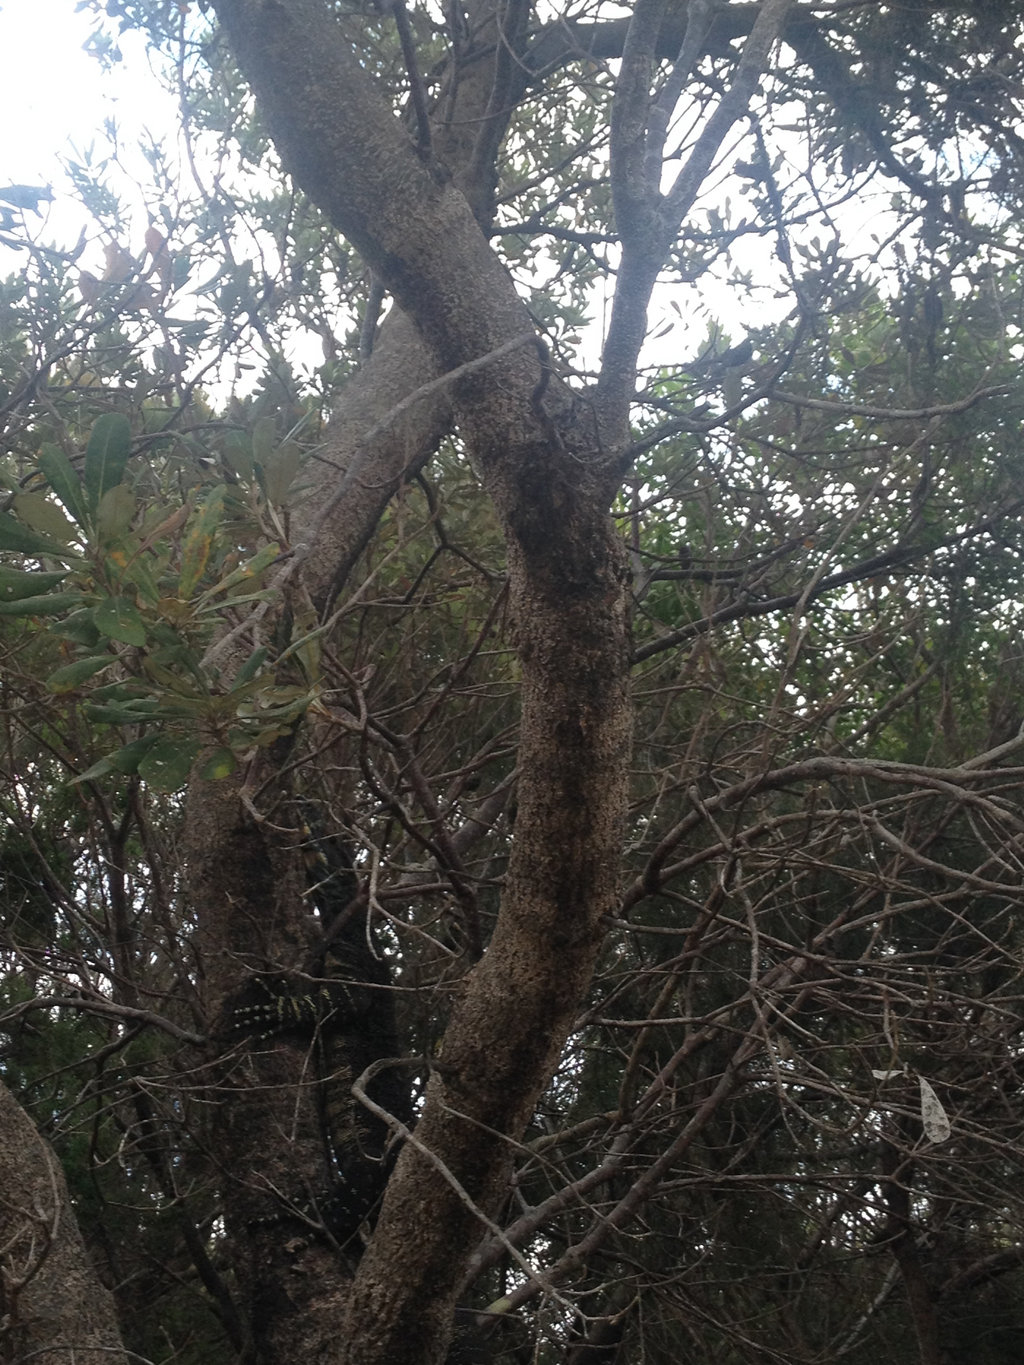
<point>125,690</point>
<point>244,575</point>
<point>64,481</point>
<point>279,469</point>
<point>16,584</point>
<point>79,628</point>
<point>124,715</point>
<point>166,766</point>
<point>106,455</point>
<point>196,550</point>
<point>115,513</point>
<point>101,768</point>
<point>127,759</point>
<point>44,517</point>
<point>936,1125</point>
<point>250,668</point>
<point>72,675</point>
<point>52,604</point>
<point>238,456</point>
<point>119,619</point>
<point>14,535</point>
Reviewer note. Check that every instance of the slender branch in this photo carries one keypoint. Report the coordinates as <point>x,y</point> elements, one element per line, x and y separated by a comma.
<point>92,1005</point>
<point>747,609</point>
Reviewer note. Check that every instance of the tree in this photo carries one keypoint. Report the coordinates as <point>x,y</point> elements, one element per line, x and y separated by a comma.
<point>441,1018</point>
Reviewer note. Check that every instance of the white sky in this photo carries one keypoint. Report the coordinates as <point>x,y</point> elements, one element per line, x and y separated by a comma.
<point>54,98</point>
<point>50,90</point>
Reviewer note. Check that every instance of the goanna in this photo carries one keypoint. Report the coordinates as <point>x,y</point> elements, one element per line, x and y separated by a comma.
<point>343,1004</point>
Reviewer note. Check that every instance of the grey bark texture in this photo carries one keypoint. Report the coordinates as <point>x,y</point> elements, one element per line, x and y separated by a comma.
<point>551,461</point>
<point>53,1309</point>
<point>550,473</point>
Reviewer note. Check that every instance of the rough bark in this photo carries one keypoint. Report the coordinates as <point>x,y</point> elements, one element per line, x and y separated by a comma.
<point>53,1309</point>
<point>551,464</point>
<point>550,476</point>
<point>372,448</point>
<point>264,1126</point>
<point>395,412</point>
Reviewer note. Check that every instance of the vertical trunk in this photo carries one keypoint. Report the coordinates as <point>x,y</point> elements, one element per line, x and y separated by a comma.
<point>264,1122</point>
<point>53,1309</point>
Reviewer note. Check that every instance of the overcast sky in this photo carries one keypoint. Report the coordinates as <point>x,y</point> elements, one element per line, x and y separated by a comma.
<point>54,98</point>
<point>50,90</point>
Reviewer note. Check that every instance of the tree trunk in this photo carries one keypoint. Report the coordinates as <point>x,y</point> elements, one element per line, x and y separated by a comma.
<point>53,1309</point>
<point>551,472</point>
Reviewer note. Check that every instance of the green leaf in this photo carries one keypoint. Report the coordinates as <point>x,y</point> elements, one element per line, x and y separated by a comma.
<point>15,536</point>
<point>64,481</point>
<point>124,715</point>
<point>69,677</point>
<point>36,511</point>
<point>156,416</point>
<point>126,760</point>
<point>250,668</point>
<point>196,549</point>
<point>166,767</point>
<point>79,628</point>
<point>125,689</point>
<point>115,513</point>
<point>119,619</point>
<point>238,456</point>
<point>106,455</point>
<point>245,574</point>
<point>221,763</point>
<point>146,586</point>
<point>279,469</point>
<point>16,584</point>
<point>52,604</point>
<point>101,768</point>
<point>264,439</point>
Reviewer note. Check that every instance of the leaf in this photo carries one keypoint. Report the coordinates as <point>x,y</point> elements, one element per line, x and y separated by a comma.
<point>115,513</point>
<point>69,677</point>
<point>933,1117</point>
<point>15,536</point>
<point>126,760</point>
<point>238,456</point>
<point>154,416</point>
<point>134,714</point>
<point>37,511</point>
<point>245,573</point>
<point>119,619</point>
<point>101,768</point>
<point>79,628</point>
<point>123,690</point>
<point>264,439</point>
<point>198,543</point>
<point>250,668</point>
<point>52,604</point>
<point>64,481</point>
<point>106,455</point>
<point>221,763</point>
<point>279,469</point>
<point>166,767</point>
<point>16,584</point>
